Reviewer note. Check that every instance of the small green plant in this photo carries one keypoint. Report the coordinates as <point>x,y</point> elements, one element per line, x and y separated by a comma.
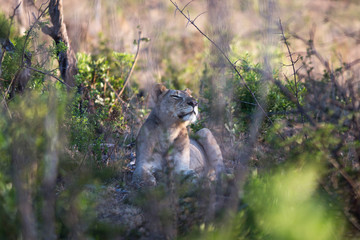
<point>102,76</point>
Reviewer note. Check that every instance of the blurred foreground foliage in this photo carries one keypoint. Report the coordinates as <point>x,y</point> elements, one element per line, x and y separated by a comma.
<point>281,205</point>
<point>289,201</point>
<point>55,155</point>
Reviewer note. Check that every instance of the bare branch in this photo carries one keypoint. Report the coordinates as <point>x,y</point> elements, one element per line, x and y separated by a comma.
<point>311,44</point>
<point>116,94</point>
<point>133,65</point>
<point>291,60</point>
<point>352,219</point>
<point>248,103</point>
<point>354,184</point>
<point>49,74</point>
<point>12,17</point>
<point>117,98</point>
<point>351,64</point>
<point>8,89</point>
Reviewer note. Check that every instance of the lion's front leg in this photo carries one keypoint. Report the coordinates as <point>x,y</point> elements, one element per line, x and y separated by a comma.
<point>143,175</point>
<point>148,160</point>
<point>181,160</point>
<point>181,152</point>
<point>211,148</point>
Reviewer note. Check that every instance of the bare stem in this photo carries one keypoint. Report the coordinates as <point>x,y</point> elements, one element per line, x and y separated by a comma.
<point>132,66</point>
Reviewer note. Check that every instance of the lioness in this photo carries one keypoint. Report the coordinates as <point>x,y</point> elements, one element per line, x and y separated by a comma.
<point>164,136</point>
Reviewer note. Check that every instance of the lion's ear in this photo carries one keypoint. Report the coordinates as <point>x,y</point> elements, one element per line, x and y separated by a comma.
<point>159,89</point>
<point>188,91</point>
<point>156,92</point>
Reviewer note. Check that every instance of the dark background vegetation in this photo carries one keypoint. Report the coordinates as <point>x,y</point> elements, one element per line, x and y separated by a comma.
<point>277,83</point>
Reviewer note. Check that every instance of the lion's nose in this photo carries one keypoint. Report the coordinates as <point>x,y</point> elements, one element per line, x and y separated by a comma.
<point>192,102</point>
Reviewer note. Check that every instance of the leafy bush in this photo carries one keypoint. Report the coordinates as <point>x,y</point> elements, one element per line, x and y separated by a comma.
<point>96,72</point>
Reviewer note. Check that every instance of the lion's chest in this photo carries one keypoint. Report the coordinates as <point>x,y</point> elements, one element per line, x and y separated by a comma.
<point>169,142</point>
<point>172,145</point>
<point>167,139</point>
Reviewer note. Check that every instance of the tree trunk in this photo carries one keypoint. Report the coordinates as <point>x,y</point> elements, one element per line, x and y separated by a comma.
<point>66,58</point>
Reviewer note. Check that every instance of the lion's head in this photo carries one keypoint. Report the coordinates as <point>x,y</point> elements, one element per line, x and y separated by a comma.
<point>174,106</point>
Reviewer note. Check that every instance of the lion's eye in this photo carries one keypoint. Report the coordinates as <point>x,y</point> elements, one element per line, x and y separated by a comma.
<point>175,97</point>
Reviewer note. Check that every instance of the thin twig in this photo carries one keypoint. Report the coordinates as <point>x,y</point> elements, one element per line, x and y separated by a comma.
<point>49,74</point>
<point>8,89</point>
<point>132,66</point>
<point>291,59</point>
<point>12,18</point>
<point>199,15</point>
<point>351,64</point>
<point>187,5</point>
<point>353,184</point>
<point>7,108</point>
<point>248,103</point>
<point>297,59</point>
<point>188,14</point>
<point>116,94</point>
<point>118,98</point>
<point>351,219</point>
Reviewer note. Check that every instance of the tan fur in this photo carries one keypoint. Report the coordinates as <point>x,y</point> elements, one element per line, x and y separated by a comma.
<point>164,137</point>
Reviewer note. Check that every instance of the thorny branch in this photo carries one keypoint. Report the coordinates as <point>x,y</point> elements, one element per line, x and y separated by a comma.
<point>295,90</point>
<point>311,44</point>
<point>291,59</point>
<point>354,185</point>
